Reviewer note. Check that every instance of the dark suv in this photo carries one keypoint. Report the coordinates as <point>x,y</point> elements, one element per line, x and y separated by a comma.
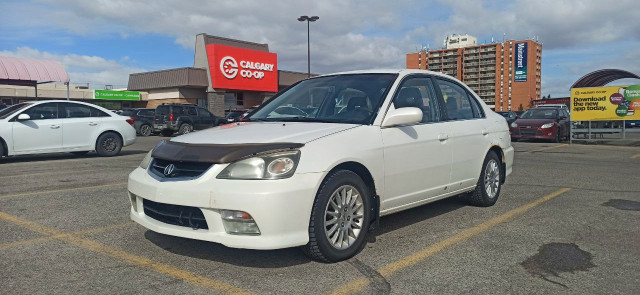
<point>142,120</point>
<point>183,118</point>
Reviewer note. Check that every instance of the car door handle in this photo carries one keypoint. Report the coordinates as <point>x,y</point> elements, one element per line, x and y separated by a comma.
<point>93,124</point>
<point>485,132</point>
<point>443,137</point>
<point>54,126</point>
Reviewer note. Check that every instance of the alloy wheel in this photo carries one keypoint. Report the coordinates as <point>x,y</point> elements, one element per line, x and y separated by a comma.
<point>344,217</point>
<point>492,178</point>
<point>109,144</point>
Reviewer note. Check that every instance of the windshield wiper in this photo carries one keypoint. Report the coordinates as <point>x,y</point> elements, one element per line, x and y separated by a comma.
<point>305,119</point>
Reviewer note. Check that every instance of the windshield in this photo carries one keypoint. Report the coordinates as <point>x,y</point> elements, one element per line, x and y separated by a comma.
<point>540,114</point>
<point>4,113</point>
<point>504,114</point>
<point>349,98</point>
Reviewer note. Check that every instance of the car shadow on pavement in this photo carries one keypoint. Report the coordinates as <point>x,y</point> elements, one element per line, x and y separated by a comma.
<point>63,156</point>
<point>220,253</point>
<point>290,256</point>
<point>413,216</point>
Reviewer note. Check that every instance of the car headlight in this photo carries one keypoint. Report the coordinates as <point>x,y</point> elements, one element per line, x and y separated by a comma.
<point>548,125</point>
<point>514,125</point>
<point>145,162</point>
<point>276,165</point>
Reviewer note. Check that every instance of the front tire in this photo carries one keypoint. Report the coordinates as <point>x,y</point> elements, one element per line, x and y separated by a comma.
<point>340,218</point>
<point>109,144</point>
<point>489,184</point>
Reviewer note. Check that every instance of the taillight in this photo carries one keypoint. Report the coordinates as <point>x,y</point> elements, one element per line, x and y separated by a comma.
<point>130,120</point>
<point>171,117</point>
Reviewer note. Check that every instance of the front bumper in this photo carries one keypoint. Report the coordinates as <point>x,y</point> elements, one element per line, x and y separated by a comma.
<point>280,208</point>
<point>533,133</point>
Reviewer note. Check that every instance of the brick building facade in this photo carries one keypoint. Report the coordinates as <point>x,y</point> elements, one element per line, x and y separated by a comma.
<point>490,70</point>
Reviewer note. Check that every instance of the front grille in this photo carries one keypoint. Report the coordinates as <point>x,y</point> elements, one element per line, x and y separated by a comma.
<point>175,214</point>
<point>528,132</point>
<point>180,169</point>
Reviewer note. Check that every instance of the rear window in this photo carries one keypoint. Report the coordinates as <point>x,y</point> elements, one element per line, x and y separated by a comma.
<point>128,113</point>
<point>162,110</point>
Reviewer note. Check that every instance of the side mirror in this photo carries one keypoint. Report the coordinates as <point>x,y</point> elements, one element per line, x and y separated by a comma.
<point>23,117</point>
<point>402,116</point>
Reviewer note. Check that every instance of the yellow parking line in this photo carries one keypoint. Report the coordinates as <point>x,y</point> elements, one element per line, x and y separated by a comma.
<point>35,241</point>
<point>548,148</point>
<point>636,156</point>
<point>3,197</point>
<point>392,268</point>
<point>124,256</point>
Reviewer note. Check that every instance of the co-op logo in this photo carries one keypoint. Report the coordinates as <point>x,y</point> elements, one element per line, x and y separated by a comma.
<point>229,68</point>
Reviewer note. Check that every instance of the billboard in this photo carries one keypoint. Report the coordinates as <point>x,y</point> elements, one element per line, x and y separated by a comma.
<point>116,95</point>
<point>605,103</point>
<point>242,69</point>
<point>520,60</point>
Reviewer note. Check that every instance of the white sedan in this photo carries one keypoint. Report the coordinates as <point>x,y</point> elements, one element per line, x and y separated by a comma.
<point>62,126</point>
<point>371,143</point>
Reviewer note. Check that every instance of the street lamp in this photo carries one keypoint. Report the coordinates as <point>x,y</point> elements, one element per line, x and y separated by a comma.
<point>308,20</point>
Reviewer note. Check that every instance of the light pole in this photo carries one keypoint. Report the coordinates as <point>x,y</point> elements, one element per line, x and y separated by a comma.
<point>308,19</point>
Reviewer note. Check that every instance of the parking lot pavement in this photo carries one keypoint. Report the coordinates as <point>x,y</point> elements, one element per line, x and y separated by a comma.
<point>568,220</point>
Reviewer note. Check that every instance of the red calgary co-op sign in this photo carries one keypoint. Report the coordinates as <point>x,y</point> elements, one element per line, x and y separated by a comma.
<point>242,69</point>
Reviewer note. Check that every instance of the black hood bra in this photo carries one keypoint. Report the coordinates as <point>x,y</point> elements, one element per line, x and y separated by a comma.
<point>215,153</point>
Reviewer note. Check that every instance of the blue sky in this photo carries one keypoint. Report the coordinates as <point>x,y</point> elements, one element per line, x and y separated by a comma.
<point>101,42</point>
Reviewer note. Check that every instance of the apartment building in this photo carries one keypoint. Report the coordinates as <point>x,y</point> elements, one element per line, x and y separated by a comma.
<point>507,76</point>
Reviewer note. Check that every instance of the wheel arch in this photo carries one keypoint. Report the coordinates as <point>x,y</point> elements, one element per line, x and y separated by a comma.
<point>5,148</point>
<point>364,173</point>
<point>108,131</point>
<point>500,153</point>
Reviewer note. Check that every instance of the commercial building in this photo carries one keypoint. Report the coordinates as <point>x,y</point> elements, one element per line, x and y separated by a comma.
<point>226,74</point>
<point>505,75</point>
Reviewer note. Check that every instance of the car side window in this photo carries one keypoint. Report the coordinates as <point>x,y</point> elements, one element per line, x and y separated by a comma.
<point>192,112</point>
<point>177,111</point>
<point>98,113</point>
<point>419,92</point>
<point>456,100</point>
<point>43,111</point>
<point>203,113</point>
<point>72,110</point>
<point>148,113</point>
<point>477,108</point>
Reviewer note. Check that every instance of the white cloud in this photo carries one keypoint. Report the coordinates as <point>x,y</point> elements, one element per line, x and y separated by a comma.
<point>337,41</point>
<point>94,70</point>
<point>350,34</point>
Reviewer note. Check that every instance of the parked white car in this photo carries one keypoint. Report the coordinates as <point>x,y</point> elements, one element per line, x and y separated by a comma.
<point>374,143</point>
<point>62,126</point>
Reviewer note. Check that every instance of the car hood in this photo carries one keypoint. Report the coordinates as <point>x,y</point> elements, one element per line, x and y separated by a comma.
<point>263,132</point>
<point>533,122</point>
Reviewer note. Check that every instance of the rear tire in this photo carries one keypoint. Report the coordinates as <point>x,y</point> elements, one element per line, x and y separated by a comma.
<point>146,130</point>
<point>1,149</point>
<point>340,218</point>
<point>166,133</point>
<point>185,128</point>
<point>489,184</point>
<point>109,144</point>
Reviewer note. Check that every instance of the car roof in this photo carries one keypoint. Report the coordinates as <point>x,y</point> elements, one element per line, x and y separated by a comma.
<point>391,71</point>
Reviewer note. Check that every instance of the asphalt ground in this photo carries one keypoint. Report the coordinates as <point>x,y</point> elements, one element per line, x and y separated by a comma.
<point>567,221</point>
